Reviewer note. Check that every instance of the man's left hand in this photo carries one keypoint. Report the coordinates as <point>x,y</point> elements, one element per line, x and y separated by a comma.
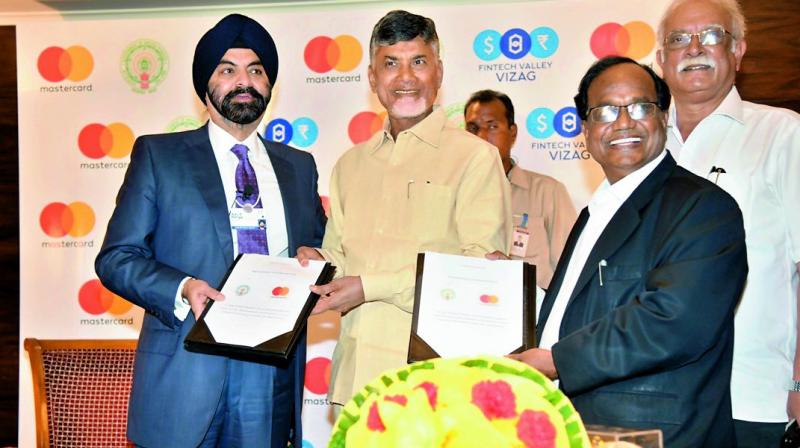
<point>540,359</point>
<point>342,295</point>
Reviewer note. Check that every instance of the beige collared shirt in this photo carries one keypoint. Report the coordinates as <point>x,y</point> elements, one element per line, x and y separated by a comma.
<point>436,188</point>
<point>550,219</point>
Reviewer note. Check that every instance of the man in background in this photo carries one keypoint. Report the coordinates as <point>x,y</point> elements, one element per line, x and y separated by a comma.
<point>752,151</point>
<point>542,209</point>
<point>171,240</point>
<point>419,185</point>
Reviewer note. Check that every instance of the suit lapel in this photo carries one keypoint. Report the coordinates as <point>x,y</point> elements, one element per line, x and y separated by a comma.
<point>561,268</point>
<point>284,172</point>
<point>205,172</point>
<point>624,223</point>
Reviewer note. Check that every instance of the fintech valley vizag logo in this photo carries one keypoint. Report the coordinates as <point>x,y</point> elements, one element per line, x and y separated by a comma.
<point>555,133</point>
<point>65,68</point>
<point>59,221</point>
<point>300,133</point>
<point>516,54</point>
<point>333,59</point>
<point>98,141</point>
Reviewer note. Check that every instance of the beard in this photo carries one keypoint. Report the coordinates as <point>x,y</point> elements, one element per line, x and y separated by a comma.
<point>241,113</point>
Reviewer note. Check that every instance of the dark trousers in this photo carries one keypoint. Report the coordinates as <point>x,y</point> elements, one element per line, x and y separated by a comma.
<point>757,434</point>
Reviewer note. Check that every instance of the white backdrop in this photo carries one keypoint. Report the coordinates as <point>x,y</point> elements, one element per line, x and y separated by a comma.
<point>88,87</point>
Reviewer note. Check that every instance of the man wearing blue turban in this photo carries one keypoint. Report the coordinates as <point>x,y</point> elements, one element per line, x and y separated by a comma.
<point>170,242</point>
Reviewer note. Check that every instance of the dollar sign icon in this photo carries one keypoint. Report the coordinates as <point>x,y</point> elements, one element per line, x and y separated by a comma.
<point>488,46</point>
<point>542,125</point>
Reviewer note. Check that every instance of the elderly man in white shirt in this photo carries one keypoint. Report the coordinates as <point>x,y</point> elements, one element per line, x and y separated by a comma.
<point>752,151</point>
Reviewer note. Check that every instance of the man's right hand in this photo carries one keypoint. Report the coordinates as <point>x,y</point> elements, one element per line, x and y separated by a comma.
<point>307,253</point>
<point>198,292</point>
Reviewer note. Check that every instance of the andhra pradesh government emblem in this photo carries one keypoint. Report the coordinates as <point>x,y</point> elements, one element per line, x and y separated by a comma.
<point>184,123</point>
<point>144,65</point>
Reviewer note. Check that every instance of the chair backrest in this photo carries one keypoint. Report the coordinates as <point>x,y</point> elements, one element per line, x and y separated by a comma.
<point>81,390</point>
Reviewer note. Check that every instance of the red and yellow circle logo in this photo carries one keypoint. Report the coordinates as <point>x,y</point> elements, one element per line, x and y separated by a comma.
<point>58,219</point>
<point>318,375</point>
<point>489,299</point>
<point>364,124</point>
<point>95,299</point>
<point>634,39</point>
<point>57,64</point>
<point>323,54</point>
<point>280,291</point>
<point>114,140</point>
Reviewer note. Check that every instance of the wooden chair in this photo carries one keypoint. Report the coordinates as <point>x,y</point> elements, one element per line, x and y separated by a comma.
<point>80,391</point>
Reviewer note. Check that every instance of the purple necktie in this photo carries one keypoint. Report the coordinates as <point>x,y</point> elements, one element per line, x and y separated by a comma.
<point>250,240</point>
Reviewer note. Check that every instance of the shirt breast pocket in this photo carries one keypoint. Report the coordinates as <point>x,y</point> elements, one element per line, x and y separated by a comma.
<point>431,207</point>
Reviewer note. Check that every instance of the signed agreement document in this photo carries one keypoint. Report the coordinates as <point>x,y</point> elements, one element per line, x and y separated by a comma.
<point>267,300</point>
<point>467,306</point>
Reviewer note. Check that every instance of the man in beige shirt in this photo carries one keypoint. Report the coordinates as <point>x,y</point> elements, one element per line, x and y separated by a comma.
<point>419,185</point>
<point>543,211</point>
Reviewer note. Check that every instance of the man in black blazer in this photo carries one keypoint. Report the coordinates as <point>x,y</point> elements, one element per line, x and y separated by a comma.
<point>171,240</point>
<point>638,323</point>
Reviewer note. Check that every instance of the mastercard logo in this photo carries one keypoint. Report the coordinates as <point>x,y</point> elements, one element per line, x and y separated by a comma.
<point>318,375</point>
<point>56,64</point>
<point>95,299</point>
<point>323,54</point>
<point>280,291</point>
<point>634,39</point>
<point>489,299</point>
<point>58,219</point>
<point>364,124</point>
<point>114,140</point>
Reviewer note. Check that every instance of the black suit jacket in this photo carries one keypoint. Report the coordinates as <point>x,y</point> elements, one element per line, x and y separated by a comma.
<point>652,346</point>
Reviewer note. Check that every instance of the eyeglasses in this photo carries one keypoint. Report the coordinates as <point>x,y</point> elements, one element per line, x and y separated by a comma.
<point>610,113</point>
<point>713,35</point>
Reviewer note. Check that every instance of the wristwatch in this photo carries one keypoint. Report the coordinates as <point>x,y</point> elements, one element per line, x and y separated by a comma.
<point>794,386</point>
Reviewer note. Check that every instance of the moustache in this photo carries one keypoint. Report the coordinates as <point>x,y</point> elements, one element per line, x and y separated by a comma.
<point>696,60</point>
<point>248,90</point>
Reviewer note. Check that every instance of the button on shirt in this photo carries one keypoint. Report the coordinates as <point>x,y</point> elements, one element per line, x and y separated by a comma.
<point>605,202</point>
<point>277,236</point>
<point>436,188</point>
<point>759,148</point>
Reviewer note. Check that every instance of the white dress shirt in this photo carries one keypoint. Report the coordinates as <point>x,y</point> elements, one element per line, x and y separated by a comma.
<point>758,147</point>
<point>277,236</point>
<point>605,202</point>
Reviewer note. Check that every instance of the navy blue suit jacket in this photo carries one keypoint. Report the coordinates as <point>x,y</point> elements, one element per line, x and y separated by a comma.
<point>652,346</point>
<point>170,222</point>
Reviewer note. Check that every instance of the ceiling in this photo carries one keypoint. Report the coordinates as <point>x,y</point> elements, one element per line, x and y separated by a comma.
<point>65,7</point>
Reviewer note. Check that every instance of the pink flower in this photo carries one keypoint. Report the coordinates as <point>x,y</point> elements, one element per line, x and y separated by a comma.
<point>495,399</point>
<point>374,422</point>
<point>399,399</point>
<point>430,389</point>
<point>534,429</point>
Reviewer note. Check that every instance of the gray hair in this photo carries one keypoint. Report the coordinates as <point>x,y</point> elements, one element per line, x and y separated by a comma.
<point>731,8</point>
<point>402,26</point>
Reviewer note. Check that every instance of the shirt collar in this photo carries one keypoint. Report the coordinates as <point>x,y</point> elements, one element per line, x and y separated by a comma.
<point>613,195</point>
<point>222,142</point>
<point>429,130</point>
<point>731,107</point>
<point>516,176</point>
